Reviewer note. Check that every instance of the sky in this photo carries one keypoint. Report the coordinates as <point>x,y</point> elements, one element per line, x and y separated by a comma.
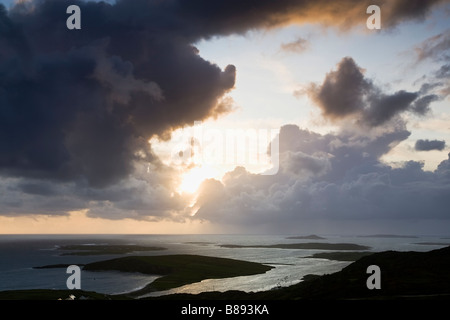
<point>275,117</point>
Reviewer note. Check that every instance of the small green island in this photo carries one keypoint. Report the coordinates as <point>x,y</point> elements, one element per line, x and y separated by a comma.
<point>179,270</point>
<point>174,270</point>
<point>310,237</point>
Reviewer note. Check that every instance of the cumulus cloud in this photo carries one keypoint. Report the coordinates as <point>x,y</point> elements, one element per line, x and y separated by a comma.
<point>353,184</point>
<point>427,145</point>
<point>343,90</point>
<point>347,93</point>
<point>302,164</point>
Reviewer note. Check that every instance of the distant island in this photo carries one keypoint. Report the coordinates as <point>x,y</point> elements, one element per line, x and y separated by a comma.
<point>85,250</point>
<point>310,237</point>
<point>308,245</point>
<point>202,243</point>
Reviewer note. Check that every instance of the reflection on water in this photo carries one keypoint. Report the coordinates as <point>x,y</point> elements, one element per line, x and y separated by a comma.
<point>115,282</point>
<point>280,276</point>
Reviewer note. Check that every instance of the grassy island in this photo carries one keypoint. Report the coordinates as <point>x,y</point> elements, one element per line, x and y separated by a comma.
<point>310,237</point>
<point>178,270</point>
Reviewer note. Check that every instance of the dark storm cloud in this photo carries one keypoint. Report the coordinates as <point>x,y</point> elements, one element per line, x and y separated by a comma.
<point>395,11</point>
<point>78,107</point>
<point>346,92</point>
<point>343,90</point>
<point>384,107</point>
<point>427,145</point>
<point>81,104</point>
<point>224,17</point>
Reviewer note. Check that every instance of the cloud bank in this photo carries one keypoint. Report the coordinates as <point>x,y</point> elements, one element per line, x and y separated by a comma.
<point>331,179</point>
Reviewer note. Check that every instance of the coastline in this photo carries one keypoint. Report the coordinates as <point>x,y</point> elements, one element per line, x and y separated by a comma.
<point>406,275</point>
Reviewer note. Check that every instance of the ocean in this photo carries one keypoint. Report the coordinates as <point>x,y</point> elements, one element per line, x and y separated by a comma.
<point>19,254</point>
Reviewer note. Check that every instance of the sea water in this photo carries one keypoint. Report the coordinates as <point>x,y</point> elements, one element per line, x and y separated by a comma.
<point>20,254</point>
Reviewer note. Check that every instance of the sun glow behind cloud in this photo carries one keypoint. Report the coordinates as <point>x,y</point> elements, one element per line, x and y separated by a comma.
<point>208,150</point>
<point>192,179</point>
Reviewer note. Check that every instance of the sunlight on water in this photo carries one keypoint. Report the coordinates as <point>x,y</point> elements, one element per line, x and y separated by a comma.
<point>280,276</point>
